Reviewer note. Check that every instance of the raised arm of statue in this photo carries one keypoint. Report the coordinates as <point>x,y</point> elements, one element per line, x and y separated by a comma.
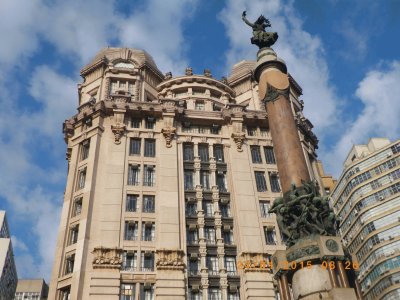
<point>247,21</point>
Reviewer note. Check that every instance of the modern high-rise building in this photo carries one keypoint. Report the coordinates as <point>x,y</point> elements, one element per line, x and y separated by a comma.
<point>8,271</point>
<point>169,184</point>
<point>367,201</point>
<point>31,289</point>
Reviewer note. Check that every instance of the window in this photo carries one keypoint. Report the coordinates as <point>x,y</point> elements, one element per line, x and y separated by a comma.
<point>260,181</point>
<point>133,175</point>
<point>221,182</point>
<point>148,231</point>
<point>149,176</point>
<point>191,209</point>
<point>65,293</point>
<point>208,208</point>
<point>209,234</point>
<point>149,147</point>
<point>85,145</point>
<point>131,203</point>
<point>225,210</point>
<point>122,86</point>
<point>218,153</point>
<point>264,208</point>
<point>129,259</point>
<point>146,291</point>
<point>212,264</point>
<point>199,105</point>
<point>134,146</point>
<point>251,131</point>
<point>77,209</point>
<point>189,180</point>
<point>203,152</point>
<point>264,132</point>
<point>227,235</point>
<point>192,235</point>
<point>127,291</point>
<point>194,267</point>
<point>81,179</point>
<point>131,231</point>
<point>150,121</point>
<point>148,204</point>
<point>230,265</point>
<point>270,236</point>
<point>188,153</point>
<point>69,264</point>
<point>135,123</point>
<point>256,154</point>
<point>205,179</point>
<point>269,155</point>
<point>274,181</point>
<point>195,293</point>
<point>147,261</point>
<point>73,235</point>
<point>214,294</point>
<point>234,295</point>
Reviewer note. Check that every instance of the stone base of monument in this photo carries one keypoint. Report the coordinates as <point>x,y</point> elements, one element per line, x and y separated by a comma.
<point>315,268</point>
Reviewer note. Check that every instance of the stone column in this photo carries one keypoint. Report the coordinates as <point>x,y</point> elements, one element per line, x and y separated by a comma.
<point>274,92</point>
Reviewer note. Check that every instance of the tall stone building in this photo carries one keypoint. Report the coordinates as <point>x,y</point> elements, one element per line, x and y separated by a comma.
<point>8,271</point>
<point>31,289</point>
<point>169,184</point>
<point>367,200</point>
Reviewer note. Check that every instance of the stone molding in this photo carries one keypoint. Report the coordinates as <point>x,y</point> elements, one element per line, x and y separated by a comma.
<point>169,133</point>
<point>239,138</point>
<point>170,259</point>
<point>107,258</point>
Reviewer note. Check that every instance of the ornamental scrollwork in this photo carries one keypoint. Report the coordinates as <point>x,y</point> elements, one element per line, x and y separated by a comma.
<point>107,258</point>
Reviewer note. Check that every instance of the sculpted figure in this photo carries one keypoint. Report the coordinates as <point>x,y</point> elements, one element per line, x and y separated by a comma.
<point>261,38</point>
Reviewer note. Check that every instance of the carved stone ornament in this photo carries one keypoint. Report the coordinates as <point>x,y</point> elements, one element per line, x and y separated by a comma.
<point>238,137</point>
<point>169,133</point>
<point>189,71</point>
<point>107,258</point>
<point>332,245</point>
<point>254,262</point>
<point>118,131</point>
<point>170,259</point>
<point>273,94</point>
<point>303,252</point>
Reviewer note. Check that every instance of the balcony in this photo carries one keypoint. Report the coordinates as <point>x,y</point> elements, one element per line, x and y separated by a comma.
<point>129,268</point>
<point>147,269</point>
<point>213,272</point>
<point>210,242</point>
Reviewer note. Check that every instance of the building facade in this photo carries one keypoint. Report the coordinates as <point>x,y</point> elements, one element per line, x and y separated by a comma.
<point>169,184</point>
<point>31,289</point>
<point>8,271</point>
<point>367,201</point>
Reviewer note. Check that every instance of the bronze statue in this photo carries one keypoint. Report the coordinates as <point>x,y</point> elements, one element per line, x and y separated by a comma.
<point>302,212</point>
<point>261,38</point>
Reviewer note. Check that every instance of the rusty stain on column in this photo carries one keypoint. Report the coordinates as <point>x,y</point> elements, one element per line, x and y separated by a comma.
<point>333,277</point>
<point>285,287</point>
<point>342,274</point>
<point>292,167</point>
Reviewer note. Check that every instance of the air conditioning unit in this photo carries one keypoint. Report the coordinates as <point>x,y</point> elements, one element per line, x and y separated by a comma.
<point>227,228</point>
<point>362,238</point>
<point>191,199</point>
<point>224,200</point>
<point>233,288</point>
<point>192,227</point>
<point>381,198</point>
<point>356,212</point>
<point>348,222</point>
<point>388,155</point>
<point>148,253</point>
<point>195,288</point>
<point>194,256</point>
<point>370,246</point>
<point>147,286</point>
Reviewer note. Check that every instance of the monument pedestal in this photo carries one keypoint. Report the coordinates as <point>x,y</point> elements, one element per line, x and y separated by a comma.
<point>316,269</point>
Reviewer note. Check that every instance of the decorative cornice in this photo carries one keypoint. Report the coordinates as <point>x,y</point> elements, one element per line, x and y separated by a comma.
<point>107,258</point>
<point>170,259</point>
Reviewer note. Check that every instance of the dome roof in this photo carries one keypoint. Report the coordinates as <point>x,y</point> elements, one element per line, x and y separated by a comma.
<point>109,54</point>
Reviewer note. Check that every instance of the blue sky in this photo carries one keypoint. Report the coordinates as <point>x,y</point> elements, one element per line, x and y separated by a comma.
<point>344,54</point>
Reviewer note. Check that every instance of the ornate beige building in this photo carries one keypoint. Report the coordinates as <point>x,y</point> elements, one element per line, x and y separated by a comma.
<point>367,201</point>
<point>169,184</point>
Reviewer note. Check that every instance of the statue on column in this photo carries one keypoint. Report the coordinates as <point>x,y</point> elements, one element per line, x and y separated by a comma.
<point>261,38</point>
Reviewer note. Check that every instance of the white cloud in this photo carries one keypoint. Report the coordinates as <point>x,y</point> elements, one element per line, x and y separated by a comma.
<point>157,28</point>
<point>18,244</point>
<point>377,91</point>
<point>302,52</point>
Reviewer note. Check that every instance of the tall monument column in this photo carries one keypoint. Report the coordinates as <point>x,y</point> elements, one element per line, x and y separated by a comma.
<point>312,265</point>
